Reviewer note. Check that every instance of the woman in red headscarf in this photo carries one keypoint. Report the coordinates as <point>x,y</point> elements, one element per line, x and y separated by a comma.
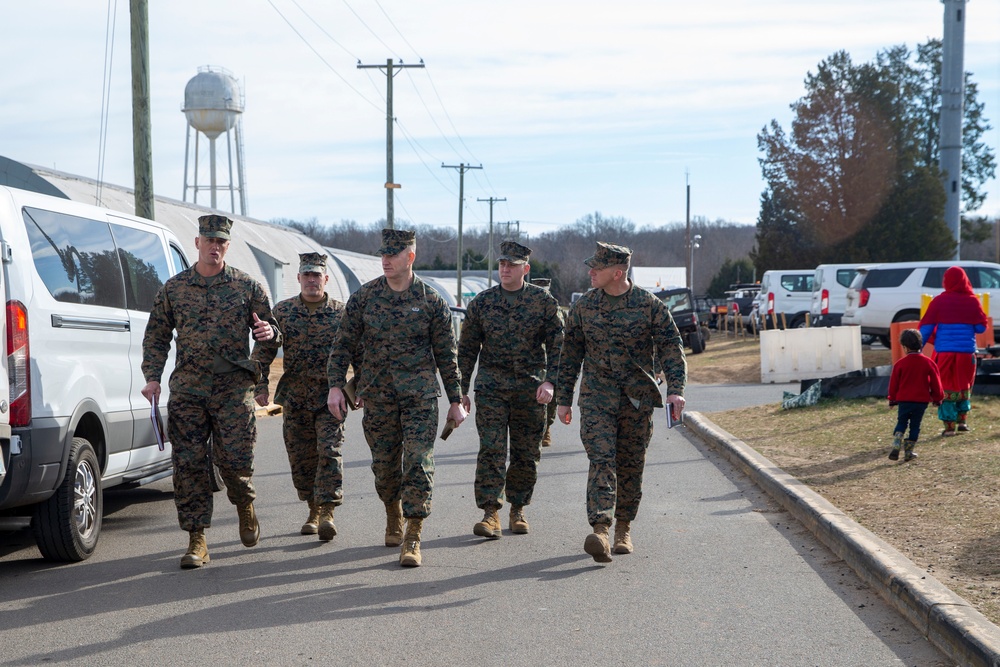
<point>951,323</point>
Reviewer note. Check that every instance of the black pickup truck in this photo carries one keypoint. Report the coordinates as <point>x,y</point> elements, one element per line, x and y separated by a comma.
<point>681,304</point>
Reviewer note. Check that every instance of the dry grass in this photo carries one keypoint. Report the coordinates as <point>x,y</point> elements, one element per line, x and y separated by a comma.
<point>942,510</point>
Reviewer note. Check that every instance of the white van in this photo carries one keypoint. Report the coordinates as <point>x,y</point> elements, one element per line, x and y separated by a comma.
<point>829,295</point>
<point>785,293</point>
<point>78,282</point>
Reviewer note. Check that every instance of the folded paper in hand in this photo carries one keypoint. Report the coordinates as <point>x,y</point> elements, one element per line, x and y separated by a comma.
<point>449,426</point>
<point>351,392</point>
<point>154,416</point>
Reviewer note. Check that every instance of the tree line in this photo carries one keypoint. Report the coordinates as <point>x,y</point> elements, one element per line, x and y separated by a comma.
<point>559,254</point>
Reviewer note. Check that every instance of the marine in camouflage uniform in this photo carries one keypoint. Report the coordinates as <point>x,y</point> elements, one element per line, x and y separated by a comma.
<point>615,331</point>
<point>313,437</point>
<point>514,331</point>
<point>213,307</point>
<point>396,332</point>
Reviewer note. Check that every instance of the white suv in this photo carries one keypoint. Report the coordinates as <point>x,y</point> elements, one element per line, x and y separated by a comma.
<point>885,293</point>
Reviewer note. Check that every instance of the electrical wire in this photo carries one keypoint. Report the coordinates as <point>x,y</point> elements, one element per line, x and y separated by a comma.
<point>320,56</point>
<point>362,21</point>
<point>109,58</point>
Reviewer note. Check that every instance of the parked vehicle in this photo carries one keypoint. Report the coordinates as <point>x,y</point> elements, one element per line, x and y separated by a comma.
<point>78,282</point>
<point>829,293</point>
<point>885,293</point>
<point>784,295</point>
<point>739,303</point>
<point>680,303</point>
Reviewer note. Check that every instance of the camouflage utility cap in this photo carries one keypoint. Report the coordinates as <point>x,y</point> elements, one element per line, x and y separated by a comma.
<point>544,283</point>
<point>514,252</point>
<point>312,262</point>
<point>394,241</point>
<point>214,226</point>
<point>608,254</point>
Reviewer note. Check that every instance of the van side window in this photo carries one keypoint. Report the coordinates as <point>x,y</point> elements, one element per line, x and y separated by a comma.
<point>145,265</point>
<point>75,258</point>
<point>845,276</point>
<point>798,283</point>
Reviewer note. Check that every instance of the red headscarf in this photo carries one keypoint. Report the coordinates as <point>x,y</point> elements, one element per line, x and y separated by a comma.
<point>958,304</point>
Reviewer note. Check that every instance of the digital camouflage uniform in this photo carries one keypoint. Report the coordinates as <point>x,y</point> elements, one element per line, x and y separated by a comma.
<point>616,343</point>
<point>397,343</point>
<point>313,437</point>
<point>213,318</point>
<point>517,345</point>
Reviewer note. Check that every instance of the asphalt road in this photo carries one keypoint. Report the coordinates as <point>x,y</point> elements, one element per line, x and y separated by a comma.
<point>720,576</point>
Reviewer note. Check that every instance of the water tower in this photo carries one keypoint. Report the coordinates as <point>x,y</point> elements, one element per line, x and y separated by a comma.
<point>213,105</point>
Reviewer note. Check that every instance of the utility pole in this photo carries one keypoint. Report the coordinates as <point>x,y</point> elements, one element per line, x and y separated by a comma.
<point>952,101</point>
<point>489,254</point>
<point>517,234</point>
<point>142,153</point>
<point>462,168</point>
<point>390,71</point>
<point>687,233</point>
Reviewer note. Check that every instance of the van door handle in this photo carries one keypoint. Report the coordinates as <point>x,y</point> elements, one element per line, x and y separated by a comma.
<point>69,322</point>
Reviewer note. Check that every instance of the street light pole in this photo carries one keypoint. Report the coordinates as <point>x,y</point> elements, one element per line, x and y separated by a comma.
<point>694,244</point>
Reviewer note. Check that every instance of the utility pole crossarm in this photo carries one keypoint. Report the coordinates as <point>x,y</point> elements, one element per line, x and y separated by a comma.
<point>390,70</point>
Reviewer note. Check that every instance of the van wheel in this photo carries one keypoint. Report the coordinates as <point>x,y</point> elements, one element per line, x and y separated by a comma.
<point>67,525</point>
<point>886,343</point>
<point>798,323</point>
<point>697,344</point>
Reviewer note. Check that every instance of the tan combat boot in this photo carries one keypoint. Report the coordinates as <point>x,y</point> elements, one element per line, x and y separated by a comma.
<point>409,555</point>
<point>623,538</point>
<point>311,526</point>
<point>394,524</point>
<point>197,553</point>
<point>489,527</point>
<point>326,527</point>
<point>547,439</point>
<point>518,524</point>
<point>249,528</point>
<point>597,544</point>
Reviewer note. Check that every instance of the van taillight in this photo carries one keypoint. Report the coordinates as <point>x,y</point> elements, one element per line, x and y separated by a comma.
<point>18,364</point>
<point>770,303</point>
<point>863,297</point>
<point>824,302</point>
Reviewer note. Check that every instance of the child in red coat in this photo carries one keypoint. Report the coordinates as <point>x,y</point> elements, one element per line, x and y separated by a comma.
<point>914,383</point>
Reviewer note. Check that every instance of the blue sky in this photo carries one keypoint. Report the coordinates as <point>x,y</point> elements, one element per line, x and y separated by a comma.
<point>570,107</point>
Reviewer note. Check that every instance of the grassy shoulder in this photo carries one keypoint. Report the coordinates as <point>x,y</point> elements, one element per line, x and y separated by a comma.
<point>941,510</point>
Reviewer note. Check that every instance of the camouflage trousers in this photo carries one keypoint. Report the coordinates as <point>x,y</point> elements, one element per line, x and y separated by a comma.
<point>523,418</point>
<point>313,441</point>
<point>615,438</point>
<point>219,429</point>
<point>401,437</point>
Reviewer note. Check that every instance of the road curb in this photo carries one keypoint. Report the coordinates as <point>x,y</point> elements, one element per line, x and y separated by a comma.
<point>946,619</point>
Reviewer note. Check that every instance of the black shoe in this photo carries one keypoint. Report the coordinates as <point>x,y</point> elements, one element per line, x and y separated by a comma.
<point>893,454</point>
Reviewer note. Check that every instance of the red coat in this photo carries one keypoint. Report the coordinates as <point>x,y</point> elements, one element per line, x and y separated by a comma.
<point>915,379</point>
